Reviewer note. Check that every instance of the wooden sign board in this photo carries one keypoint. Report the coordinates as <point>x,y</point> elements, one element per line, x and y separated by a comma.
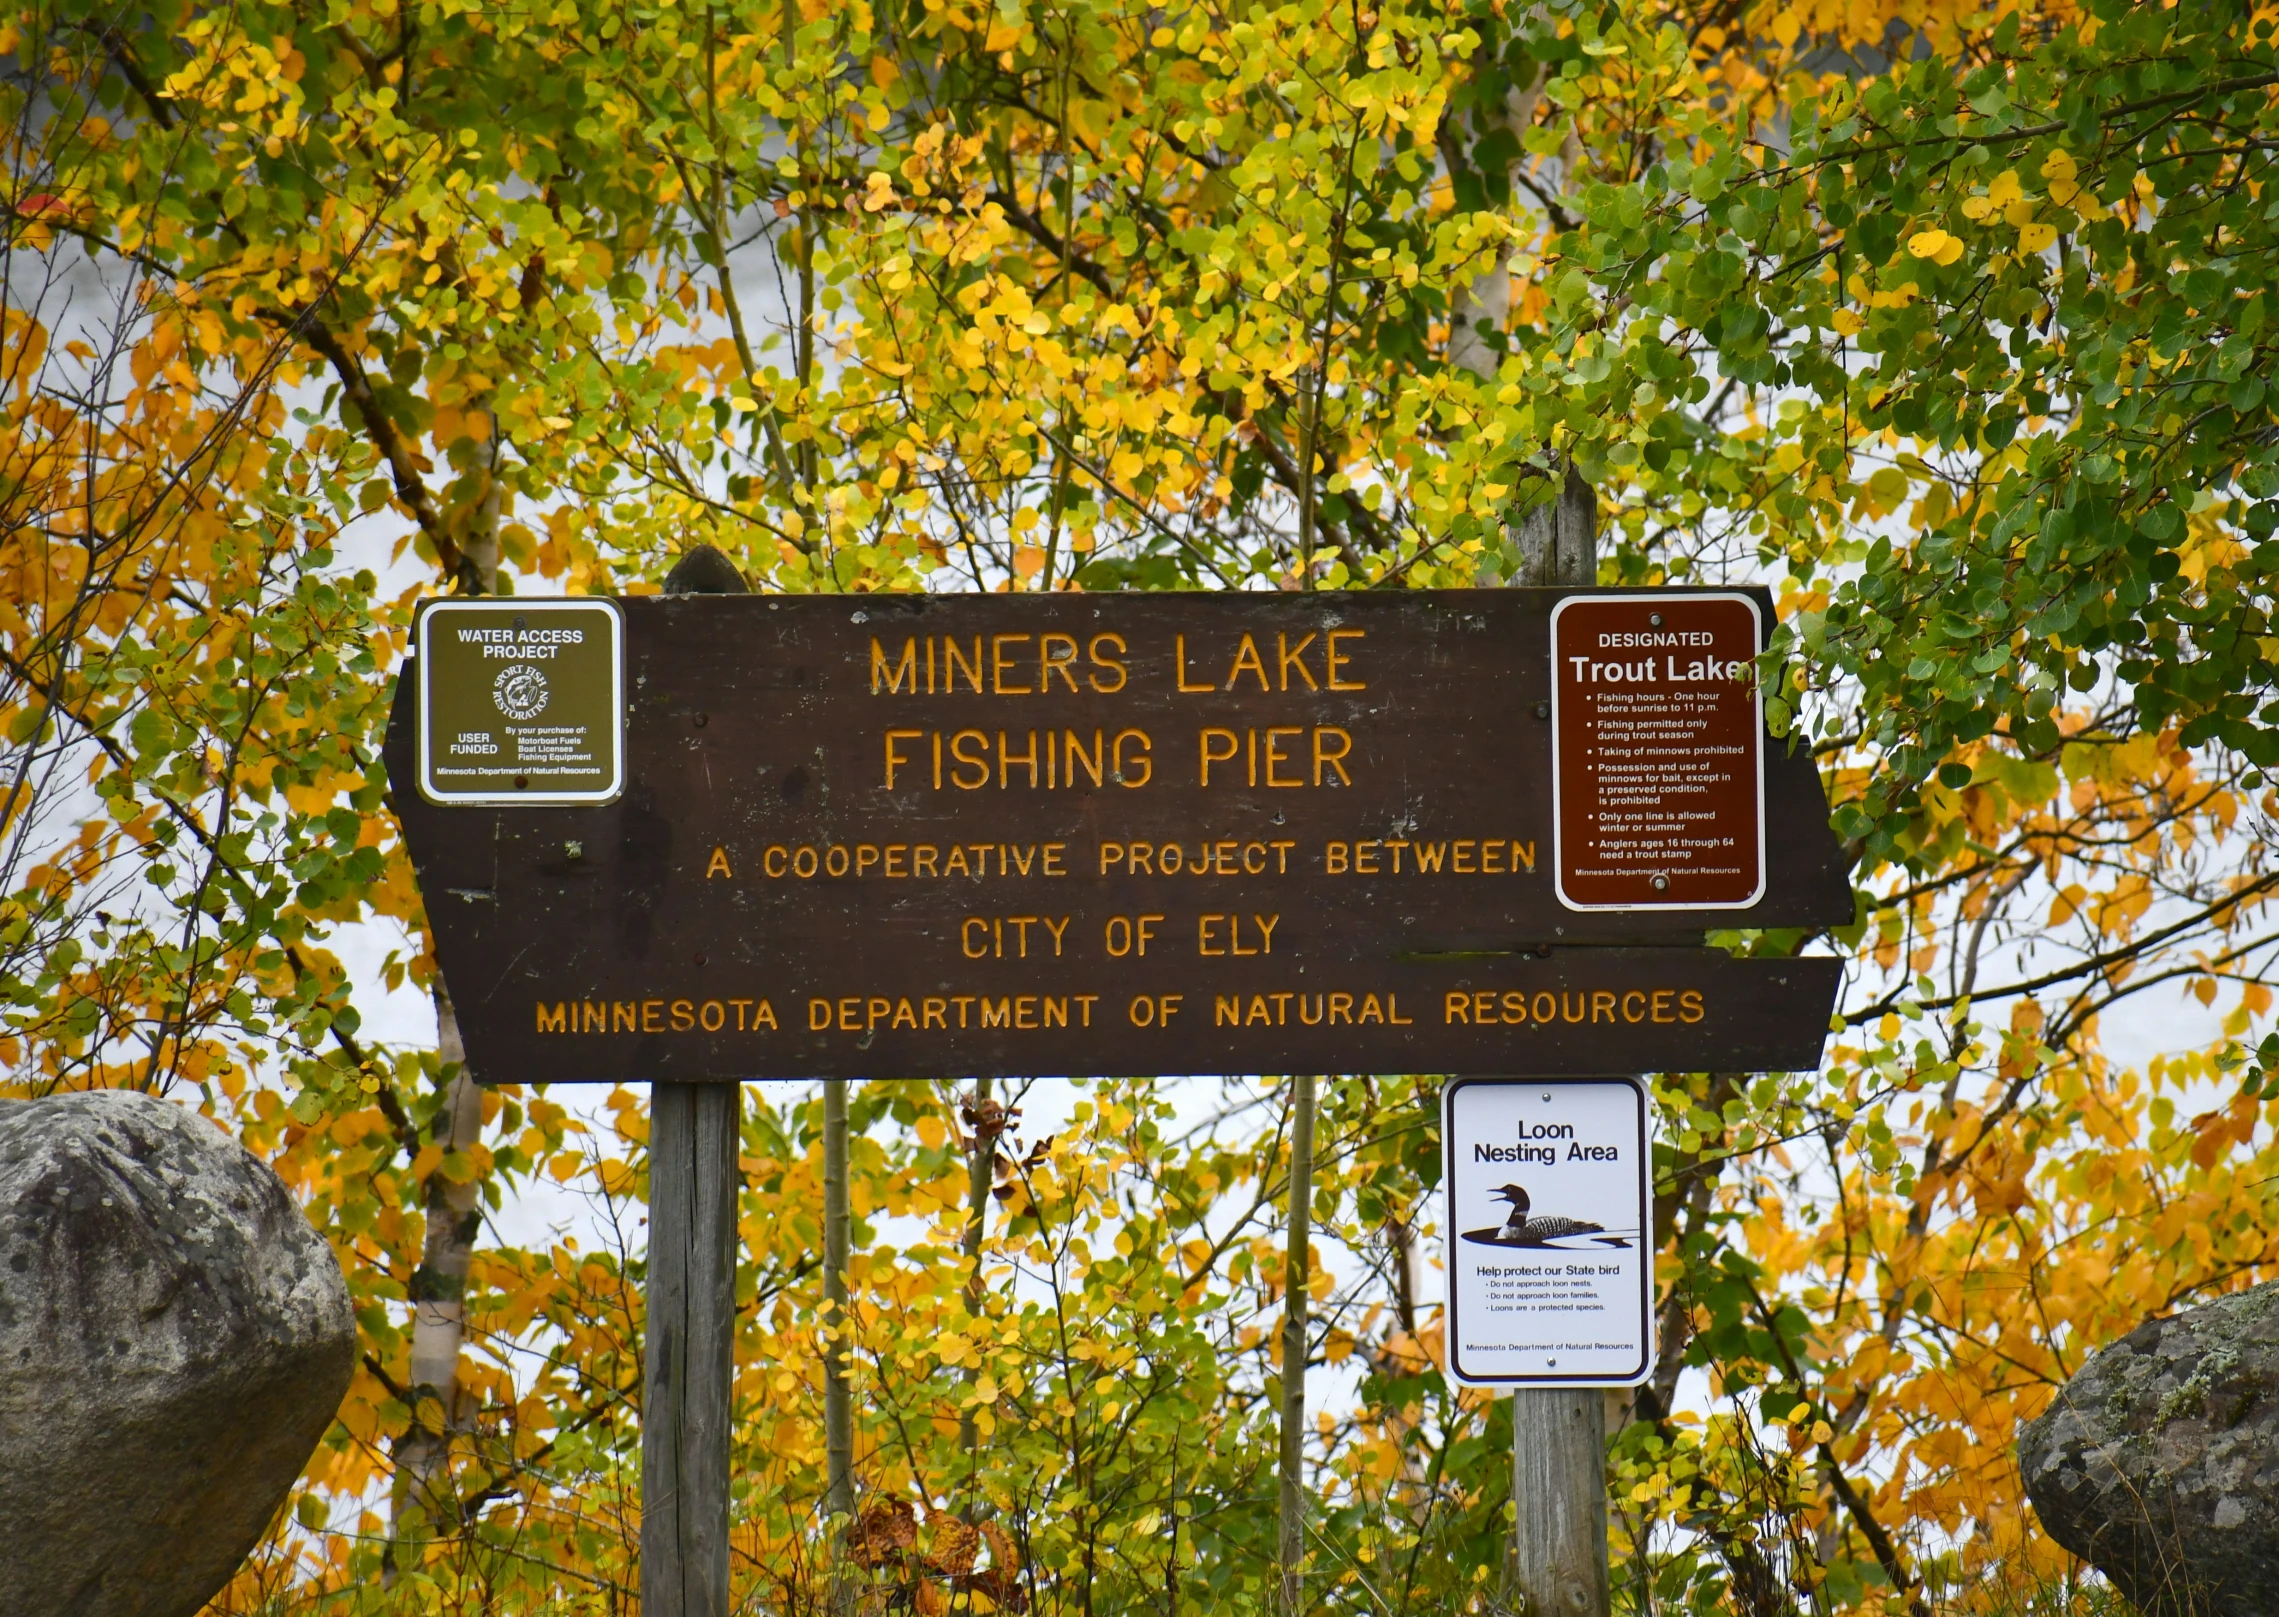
<point>1548,1205</point>
<point>912,835</point>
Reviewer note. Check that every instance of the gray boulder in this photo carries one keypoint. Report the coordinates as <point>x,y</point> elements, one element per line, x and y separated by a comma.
<point>2159,1462</point>
<point>174,1339</point>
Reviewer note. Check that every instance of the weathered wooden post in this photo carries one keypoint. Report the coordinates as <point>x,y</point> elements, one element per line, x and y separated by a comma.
<point>1558,1435</point>
<point>838,1413</point>
<point>688,1354</point>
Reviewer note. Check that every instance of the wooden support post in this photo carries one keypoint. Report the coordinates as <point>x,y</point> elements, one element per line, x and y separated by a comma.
<point>1297,1276</point>
<point>838,1414</point>
<point>1558,1437</point>
<point>1558,1485</point>
<point>689,1356</point>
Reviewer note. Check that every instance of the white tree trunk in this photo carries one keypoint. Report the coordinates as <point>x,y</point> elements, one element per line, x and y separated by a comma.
<point>420,1496</point>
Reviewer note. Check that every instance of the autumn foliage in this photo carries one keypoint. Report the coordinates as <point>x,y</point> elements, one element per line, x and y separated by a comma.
<point>1952,325</point>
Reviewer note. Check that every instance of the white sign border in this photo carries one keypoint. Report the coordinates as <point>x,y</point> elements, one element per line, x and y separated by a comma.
<point>447,797</point>
<point>1558,859</point>
<point>1451,1335</point>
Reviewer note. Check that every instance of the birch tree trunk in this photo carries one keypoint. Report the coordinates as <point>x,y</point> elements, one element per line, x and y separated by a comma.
<point>420,1494</point>
<point>1297,1280</point>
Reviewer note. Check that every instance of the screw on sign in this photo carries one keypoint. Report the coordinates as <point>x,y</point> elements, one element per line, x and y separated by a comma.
<point>520,701</point>
<point>1657,746</point>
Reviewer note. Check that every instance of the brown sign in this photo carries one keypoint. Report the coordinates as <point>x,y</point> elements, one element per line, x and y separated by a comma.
<point>1658,751</point>
<point>519,701</point>
<point>954,835</point>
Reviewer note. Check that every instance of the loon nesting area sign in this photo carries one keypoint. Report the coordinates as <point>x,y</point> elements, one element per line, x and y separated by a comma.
<point>1547,1205</point>
<point>727,837</point>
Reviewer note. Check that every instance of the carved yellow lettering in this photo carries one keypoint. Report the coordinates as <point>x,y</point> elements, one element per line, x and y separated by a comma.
<point>1101,661</point>
<point>1209,755</point>
<point>894,758</point>
<point>1056,654</point>
<point>1246,661</point>
<point>1179,656</point>
<point>1075,757</point>
<point>906,669</point>
<point>1123,773</point>
<point>1275,757</point>
<point>1007,759</point>
<point>978,762</point>
<point>953,659</point>
<point>999,662</point>
<point>1289,657</point>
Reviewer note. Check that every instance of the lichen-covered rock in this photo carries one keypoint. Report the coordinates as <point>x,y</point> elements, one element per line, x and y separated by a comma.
<point>2159,1462</point>
<point>174,1339</point>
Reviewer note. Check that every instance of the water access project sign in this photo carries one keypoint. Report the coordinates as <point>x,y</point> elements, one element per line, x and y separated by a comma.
<point>946,836</point>
<point>520,702</point>
<point>1547,1204</point>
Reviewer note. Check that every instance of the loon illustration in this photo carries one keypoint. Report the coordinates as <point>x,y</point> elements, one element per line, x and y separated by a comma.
<point>1520,1230</point>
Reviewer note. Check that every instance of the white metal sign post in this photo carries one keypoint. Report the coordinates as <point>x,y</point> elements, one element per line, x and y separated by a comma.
<point>1547,1213</point>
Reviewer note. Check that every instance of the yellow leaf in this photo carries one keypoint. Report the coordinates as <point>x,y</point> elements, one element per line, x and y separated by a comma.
<point>2035,236</point>
<point>1935,245</point>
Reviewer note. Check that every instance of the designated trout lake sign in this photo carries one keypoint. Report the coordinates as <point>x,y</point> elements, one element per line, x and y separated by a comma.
<point>949,836</point>
<point>1546,1204</point>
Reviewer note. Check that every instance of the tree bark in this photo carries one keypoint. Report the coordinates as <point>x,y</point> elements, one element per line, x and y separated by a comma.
<point>838,1416</point>
<point>420,1495</point>
<point>1297,1277</point>
<point>982,1118</point>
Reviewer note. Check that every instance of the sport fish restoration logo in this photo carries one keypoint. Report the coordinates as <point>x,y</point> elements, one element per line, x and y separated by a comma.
<point>520,691</point>
<point>1547,1198</point>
